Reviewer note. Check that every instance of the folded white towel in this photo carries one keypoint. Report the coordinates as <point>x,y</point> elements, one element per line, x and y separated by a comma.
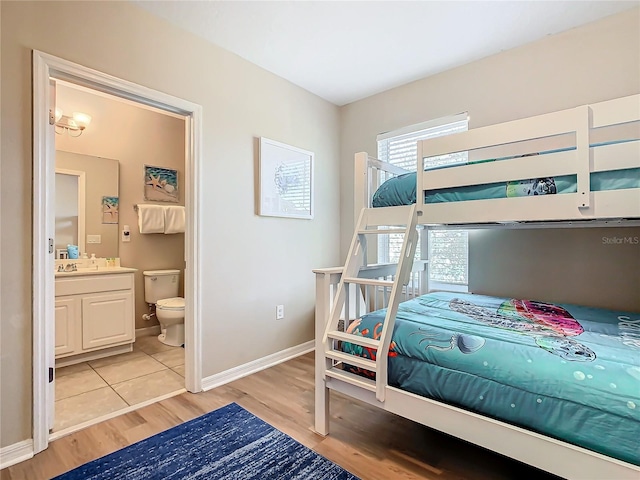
<point>151,218</point>
<point>174,219</point>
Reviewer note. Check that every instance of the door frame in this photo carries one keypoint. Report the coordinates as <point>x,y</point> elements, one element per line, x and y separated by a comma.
<point>46,67</point>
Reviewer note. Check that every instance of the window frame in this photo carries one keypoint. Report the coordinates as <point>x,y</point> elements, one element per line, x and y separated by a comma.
<point>455,122</point>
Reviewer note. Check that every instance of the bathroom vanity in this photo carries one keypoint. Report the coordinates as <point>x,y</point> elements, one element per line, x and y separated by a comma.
<point>94,313</point>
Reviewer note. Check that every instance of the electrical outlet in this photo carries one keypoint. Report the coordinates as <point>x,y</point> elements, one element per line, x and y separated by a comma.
<point>279,312</point>
<point>126,233</point>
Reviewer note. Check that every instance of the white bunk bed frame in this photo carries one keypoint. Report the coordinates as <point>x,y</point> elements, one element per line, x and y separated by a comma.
<point>393,283</point>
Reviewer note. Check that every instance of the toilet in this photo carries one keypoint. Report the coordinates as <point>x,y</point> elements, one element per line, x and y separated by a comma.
<point>161,288</point>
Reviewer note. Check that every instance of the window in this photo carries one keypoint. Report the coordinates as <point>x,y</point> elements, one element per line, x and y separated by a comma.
<point>448,256</point>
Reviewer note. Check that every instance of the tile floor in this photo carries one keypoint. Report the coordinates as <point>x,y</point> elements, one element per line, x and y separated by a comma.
<point>92,389</point>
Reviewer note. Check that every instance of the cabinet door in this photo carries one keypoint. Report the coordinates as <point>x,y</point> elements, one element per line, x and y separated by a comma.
<point>67,311</point>
<point>107,319</point>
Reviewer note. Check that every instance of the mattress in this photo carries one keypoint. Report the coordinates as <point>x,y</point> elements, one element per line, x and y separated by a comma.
<point>566,371</point>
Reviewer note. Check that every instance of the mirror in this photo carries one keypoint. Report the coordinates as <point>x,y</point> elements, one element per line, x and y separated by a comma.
<point>86,204</point>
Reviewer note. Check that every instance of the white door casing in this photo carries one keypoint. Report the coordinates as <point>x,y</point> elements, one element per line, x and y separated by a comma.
<point>47,69</point>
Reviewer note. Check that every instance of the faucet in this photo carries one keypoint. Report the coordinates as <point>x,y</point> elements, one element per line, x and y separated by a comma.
<point>71,267</point>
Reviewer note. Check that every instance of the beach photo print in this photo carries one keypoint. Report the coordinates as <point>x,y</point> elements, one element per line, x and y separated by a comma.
<point>160,184</point>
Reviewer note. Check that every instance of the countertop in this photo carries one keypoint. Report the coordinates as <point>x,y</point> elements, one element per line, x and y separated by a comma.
<point>96,271</point>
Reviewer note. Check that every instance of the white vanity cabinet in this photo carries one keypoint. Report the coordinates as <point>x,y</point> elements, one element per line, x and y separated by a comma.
<point>94,312</point>
<point>67,317</point>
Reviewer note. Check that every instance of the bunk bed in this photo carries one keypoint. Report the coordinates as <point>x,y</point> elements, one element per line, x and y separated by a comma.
<point>449,360</point>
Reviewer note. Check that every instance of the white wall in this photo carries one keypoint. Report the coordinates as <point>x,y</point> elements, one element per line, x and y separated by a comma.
<point>589,64</point>
<point>249,263</point>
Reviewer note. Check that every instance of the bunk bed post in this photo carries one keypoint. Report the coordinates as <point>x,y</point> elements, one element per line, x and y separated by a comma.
<point>419,180</point>
<point>584,161</point>
<point>323,300</point>
<point>361,190</point>
<point>362,194</point>
<point>424,255</point>
<point>424,232</point>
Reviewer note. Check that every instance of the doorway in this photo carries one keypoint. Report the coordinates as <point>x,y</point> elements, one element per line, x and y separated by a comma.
<point>46,71</point>
<point>107,351</point>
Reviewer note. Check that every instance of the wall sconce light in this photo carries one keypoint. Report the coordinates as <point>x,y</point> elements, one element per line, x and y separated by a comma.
<point>72,125</point>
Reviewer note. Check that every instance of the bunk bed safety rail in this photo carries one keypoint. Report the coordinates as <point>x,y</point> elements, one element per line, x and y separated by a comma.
<point>581,159</point>
<point>370,173</point>
<point>573,121</point>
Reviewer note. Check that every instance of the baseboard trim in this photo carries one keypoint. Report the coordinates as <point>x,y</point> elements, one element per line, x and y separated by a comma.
<point>148,331</point>
<point>16,453</point>
<point>240,371</point>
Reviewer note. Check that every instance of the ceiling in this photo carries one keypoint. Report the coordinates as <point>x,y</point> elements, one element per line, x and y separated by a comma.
<point>347,50</point>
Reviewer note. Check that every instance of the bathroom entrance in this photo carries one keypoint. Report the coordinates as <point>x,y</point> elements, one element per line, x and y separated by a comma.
<point>111,351</point>
<point>97,323</point>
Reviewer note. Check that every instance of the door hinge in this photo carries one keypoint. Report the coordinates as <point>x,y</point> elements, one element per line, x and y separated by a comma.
<point>50,374</point>
<point>51,245</point>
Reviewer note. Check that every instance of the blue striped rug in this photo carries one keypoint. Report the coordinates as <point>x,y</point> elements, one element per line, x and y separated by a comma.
<point>229,443</point>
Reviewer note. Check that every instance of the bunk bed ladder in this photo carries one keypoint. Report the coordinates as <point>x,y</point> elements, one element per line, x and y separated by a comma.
<point>400,220</point>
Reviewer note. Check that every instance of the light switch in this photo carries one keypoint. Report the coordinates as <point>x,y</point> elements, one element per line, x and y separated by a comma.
<point>94,238</point>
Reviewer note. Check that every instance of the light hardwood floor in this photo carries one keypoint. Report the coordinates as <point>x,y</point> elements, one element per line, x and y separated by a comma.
<point>370,443</point>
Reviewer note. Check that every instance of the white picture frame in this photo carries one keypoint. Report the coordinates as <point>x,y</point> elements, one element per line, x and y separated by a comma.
<point>286,180</point>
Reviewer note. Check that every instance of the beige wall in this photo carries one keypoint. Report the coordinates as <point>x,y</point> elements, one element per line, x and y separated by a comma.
<point>589,64</point>
<point>249,263</point>
<point>136,137</point>
<point>592,266</point>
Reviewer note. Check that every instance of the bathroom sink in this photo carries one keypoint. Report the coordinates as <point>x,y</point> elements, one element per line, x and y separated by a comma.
<point>95,270</point>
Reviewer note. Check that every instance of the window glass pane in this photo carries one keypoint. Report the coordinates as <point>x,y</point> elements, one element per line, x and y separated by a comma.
<point>448,248</point>
<point>448,256</point>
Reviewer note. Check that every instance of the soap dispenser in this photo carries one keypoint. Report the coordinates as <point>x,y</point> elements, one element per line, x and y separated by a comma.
<point>93,261</point>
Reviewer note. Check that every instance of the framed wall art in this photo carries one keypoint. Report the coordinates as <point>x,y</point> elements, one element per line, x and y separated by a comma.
<point>160,184</point>
<point>110,209</point>
<point>286,180</point>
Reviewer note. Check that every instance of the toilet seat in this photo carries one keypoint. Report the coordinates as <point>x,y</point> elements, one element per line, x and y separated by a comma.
<point>171,304</point>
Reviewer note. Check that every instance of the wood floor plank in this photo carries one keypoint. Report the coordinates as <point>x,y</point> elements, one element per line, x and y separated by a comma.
<point>370,443</point>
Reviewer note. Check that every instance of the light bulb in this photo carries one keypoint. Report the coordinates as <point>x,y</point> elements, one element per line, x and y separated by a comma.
<point>82,120</point>
<point>58,114</point>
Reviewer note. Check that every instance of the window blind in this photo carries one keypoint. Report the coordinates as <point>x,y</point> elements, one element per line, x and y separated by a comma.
<point>448,256</point>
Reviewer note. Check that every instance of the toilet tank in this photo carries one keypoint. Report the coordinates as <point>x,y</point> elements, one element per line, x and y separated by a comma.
<point>159,284</point>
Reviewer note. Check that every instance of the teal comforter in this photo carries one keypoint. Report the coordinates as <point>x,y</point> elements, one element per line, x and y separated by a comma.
<point>565,371</point>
